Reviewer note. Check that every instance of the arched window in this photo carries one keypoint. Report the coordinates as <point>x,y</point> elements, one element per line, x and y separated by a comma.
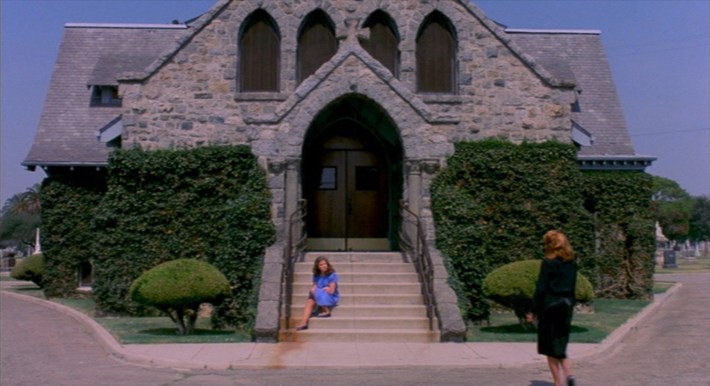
<point>384,40</point>
<point>316,44</point>
<point>259,48</point>
<point>436,55</point>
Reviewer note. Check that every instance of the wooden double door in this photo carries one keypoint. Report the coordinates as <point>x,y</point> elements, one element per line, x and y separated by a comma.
<point>347,193</point>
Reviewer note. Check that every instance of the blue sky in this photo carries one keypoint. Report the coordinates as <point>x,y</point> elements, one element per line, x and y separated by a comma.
<point>657,49</point>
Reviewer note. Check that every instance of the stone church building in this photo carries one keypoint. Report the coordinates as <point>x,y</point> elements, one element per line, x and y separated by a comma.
<point>350,105</point>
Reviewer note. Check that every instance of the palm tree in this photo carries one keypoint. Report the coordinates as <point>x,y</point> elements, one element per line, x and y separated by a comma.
<point>27,202</point>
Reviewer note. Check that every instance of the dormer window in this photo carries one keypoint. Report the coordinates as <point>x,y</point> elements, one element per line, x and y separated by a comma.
<point>105,96</point>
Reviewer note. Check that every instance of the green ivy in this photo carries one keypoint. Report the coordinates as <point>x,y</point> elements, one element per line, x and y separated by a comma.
<point>623,262</point>
<point>495,200</point>
<point>208,203</point>
<point>69,202</point>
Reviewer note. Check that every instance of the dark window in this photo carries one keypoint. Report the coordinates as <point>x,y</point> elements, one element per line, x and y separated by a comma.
<point>105,96</point>
<point>316,44</point>
<point>259,47</point>
<point>384,41</point>
<point>436,55</point>
<point>86,274</point>
<point>328,178</point>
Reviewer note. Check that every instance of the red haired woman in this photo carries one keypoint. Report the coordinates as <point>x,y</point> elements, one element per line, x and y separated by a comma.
<point>553,304</point>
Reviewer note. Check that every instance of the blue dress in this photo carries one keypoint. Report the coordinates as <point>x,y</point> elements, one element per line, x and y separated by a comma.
<point>322,297</point>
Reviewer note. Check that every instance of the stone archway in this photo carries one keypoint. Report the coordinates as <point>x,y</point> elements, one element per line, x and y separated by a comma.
<point>352,177</point>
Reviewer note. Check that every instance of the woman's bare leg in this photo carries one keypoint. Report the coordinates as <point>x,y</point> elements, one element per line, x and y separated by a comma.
<point>566,367</point>
<point>554,365</point>
<point>307,310</point>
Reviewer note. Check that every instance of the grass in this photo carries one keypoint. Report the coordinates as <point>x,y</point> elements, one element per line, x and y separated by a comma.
<point>504,327</point>
<point>697,265</point>
<point>609,314</point>
<point>141,330</point>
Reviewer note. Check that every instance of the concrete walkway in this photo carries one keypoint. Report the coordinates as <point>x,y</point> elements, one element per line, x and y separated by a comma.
<point>338,355</point>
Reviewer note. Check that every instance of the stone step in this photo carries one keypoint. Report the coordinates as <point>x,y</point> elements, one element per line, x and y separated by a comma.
<point>380,301</point>
<point>360,268</point>
<point>363,277</point>
<point>361,335</point>
<point>387,311</point>
<point>349,289</point>
<point>338,322</point>
<point>336,258</point>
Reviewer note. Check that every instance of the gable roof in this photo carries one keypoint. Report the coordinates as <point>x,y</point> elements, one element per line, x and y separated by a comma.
<point>580,54</point>
<point>104,54</point>
<point>68,128</point>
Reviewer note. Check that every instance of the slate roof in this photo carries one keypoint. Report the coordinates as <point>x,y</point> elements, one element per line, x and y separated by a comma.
<point>68,127</point>
<point>98,54</point>
<point>579,56</point>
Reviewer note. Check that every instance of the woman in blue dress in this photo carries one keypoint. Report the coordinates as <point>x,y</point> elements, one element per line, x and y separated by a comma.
<point>324,292</point>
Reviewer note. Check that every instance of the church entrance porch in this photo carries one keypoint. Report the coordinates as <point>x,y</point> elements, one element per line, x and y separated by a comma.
<point>352,178</point>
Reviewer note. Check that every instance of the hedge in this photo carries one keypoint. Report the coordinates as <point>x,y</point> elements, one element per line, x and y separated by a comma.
<point>495,199</point>
<point>209,203</point>
<point>69,203</point>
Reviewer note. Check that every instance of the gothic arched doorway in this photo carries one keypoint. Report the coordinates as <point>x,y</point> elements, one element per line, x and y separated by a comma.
<point>352,177</point>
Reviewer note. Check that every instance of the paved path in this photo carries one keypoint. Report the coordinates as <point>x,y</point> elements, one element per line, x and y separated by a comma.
<point>670,346</point>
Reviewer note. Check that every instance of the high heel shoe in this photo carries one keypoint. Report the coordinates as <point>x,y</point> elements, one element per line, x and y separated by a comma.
<point>301,328</point>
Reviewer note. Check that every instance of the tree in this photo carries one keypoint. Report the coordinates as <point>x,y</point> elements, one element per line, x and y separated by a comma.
<point>178,288</point>
<point>27,202</point>
<point>700,219</point>
<point>20,218</point>
<point>672,207</point>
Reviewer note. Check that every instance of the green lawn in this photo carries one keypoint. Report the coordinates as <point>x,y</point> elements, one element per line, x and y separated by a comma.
<point>699,264</point>
<point>609,314</point>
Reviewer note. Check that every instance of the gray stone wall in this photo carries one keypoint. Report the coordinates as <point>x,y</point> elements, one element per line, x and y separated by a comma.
<point>190,98</point>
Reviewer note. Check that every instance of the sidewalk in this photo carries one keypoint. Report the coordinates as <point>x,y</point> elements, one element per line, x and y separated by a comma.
<point>335,355</point>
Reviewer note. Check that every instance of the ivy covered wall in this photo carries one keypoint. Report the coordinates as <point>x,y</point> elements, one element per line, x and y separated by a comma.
<point>208,203</point>
<point>495,200</point>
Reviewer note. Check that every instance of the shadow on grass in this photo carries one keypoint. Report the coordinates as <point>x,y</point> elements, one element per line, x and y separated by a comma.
<point>519,329</point>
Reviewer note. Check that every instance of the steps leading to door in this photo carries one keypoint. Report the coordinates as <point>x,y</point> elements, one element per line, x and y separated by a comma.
<point>380,301</point>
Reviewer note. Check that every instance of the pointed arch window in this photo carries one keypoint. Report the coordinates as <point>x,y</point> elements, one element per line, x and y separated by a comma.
<point>383,44</point>
<point>259,53</point>
<point>436,55</point>
<point>316,44</point>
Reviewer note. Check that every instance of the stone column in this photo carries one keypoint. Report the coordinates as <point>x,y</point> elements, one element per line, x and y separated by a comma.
<point>293,168</point>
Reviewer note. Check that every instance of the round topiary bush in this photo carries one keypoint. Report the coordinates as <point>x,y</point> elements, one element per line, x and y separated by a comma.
<point>178,287</point>
<point>30,268</point>
<point>513,286</point>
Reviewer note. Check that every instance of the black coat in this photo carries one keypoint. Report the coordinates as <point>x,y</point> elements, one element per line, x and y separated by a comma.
<point>553,303</point>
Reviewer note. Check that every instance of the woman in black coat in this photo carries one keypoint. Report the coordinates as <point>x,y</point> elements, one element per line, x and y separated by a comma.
<point>553,304</point>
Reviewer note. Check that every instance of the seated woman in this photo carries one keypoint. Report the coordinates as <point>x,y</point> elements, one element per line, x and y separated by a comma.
<point>324,292</point>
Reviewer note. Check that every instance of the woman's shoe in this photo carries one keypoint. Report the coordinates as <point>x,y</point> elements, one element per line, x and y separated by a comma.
<point>324,315</point>
<point>301,328</point>
<point>570,381</point>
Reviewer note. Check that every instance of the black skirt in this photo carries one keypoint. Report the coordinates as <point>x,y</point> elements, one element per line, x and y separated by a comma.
<point>553,331</point>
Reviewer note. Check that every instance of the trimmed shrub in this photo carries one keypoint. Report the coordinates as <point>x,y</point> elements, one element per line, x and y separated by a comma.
<point>178,287</point>
<point>513,286</point>
<point>30,268</point>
